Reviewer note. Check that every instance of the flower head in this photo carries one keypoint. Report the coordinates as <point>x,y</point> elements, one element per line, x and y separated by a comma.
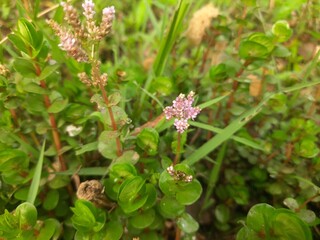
<point>182,111</point>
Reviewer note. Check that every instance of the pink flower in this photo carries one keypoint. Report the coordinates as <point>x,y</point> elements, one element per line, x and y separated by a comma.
<point>182,111</point>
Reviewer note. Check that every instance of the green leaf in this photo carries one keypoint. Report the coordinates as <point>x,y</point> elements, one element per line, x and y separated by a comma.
<point>222,213</point>
<point>218,72</point>
<point>47,71</point>
<point>143,219</point>
<point>187,223</point>
<point>188,193</point>
<point>167,185</point>
<point>114,99</point>
<point>307,148</point>
<point>107,144</point>
<point>129,156</point>
<point>148,140</point>
<point>281,51</point>
<point>49,229</point>
<point>286,225</point>
<point>87,148</point>
<point>291,203</point>
<point>130,188</point>
<point>282,31</point>
<point>51,200</point>
<point>262,39</point>
<point>307,216</point>
<point>18,42</point>
<point>260,217</point>
<point>114,230</point>
<point>27,215</point>
<point>34,88</point>
<point>170,208</point>
<point>132,195</point>
<point>24,67</point>
<point>58,105</point>
<point>152,196</point>
<point>252,50</point>
<point>162,85</point>
<point>87,217</point>
<point>33,191</point>
<point>121,171</point>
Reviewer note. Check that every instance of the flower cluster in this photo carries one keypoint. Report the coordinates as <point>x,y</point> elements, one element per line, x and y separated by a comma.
<point>96,78</point>
<point>69,42</point>
<point>75,39</point>
<point>98,32</point>
<point>182,111</point>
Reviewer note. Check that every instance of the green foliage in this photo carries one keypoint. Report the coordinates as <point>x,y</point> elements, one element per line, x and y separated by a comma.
<point>265,222</point>
<point>78,104</point>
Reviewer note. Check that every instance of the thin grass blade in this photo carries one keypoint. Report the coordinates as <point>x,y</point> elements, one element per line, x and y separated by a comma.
<point>33,190</point>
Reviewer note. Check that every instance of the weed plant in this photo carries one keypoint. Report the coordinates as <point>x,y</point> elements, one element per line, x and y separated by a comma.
<point>159,119</point>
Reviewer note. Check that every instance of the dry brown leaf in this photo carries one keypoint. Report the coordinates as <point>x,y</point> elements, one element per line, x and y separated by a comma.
<point>199,22</point>
<point>255,85</point>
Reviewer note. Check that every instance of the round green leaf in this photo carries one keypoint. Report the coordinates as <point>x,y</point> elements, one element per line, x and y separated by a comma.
<point>307,215</point>
<point>167,185</point>
<point>307,148</point>
<point>289,226</point>
<point>282,31</point>
<point>143,219</point>
<point>114,230</point>
<point>291,203</point>
<point>130,188</point>
<point>188,193</point>
<point>27,214</point>
<point>49,228</point>
<point>129,156</point>
<point>251,50</point>
<point>132,194</point>
<point>152,196</point>
<point>148,140</point>
<point>187,223</point>
<point>222,213</point>
<point>259,216</point>
<point>122,171</point>
<point>262,39</point>
<point>107,144</point>
<point>51,200</point>
<point>170,208</point>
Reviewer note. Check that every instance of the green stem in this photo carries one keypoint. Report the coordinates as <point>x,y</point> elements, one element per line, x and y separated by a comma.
<point>177,157</point>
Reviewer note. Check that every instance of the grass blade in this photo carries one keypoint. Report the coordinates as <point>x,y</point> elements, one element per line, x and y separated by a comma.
<point>226,133</point>
<point>33,190</point>
<point>214,176</point>
<point>167,44</point>
<point>213,101</point>
<point>244,141</point>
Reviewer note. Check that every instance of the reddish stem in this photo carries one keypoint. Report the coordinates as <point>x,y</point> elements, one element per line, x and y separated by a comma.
<point>178,233</point>
<point>113,122</point>
<point>53,124</point>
